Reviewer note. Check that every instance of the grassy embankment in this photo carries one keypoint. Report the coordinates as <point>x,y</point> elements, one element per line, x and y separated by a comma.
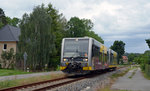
<point>17,82</point>
<point>145,75</point>
<point>7,72</point>
<point>146,71</point>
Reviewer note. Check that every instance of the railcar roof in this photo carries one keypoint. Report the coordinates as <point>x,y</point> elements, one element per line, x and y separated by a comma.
<point>102,45</point>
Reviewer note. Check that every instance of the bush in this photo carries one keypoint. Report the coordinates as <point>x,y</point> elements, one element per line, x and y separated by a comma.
<point>142,67</point>
<point>147,69</point>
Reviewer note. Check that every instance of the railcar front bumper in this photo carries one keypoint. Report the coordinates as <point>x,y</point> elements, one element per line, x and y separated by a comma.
<point>75,67</point>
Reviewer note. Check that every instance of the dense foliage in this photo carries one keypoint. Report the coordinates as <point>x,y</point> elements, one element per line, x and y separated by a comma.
<point>131,57</point>
<point>2,18</point>
<point>58,27</point>
<point>119,47</point>
<point>36,38</point>
<point>142,59</point>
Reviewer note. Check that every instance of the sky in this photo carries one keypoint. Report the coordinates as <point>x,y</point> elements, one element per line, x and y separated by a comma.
<point>125,20</point>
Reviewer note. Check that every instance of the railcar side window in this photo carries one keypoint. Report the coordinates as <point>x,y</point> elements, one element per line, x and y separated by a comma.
<point>95,50</point>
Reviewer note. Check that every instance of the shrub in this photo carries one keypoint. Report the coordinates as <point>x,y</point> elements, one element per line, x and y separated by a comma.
<point>142,67</point>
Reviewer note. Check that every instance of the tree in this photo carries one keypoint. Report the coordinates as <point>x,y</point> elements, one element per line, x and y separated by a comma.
<point>36,38</point>
<point>1,12</point>
<point>14,21</point>
<point>144,59</point>
<point>148,42</point>
<point>119,47</point>
<point>58,27</point>
<point>2,18</point>
<point>88,24</point>
<point>81,27</point>
<point>133,57</point>
<point>95,36</point>
<point>7,20</point>
<point>76,28</point>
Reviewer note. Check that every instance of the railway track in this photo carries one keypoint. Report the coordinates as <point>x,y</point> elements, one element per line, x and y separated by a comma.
<point>44,85</point>
<point>50,84</point>
<point>31,85</point>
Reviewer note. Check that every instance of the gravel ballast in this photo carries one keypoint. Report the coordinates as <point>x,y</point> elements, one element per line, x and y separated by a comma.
<point>89,84</point>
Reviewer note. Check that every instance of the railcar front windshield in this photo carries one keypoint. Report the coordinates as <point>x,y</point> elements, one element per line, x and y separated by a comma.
<point>76,47</point>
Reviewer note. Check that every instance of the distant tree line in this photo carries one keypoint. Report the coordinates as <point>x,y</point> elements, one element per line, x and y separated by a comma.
<point>42,32</point>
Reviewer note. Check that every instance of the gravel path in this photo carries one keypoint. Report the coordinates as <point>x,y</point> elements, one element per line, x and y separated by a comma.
<point>136,83</point>
<point>88,84</point>
<point>13,77</point>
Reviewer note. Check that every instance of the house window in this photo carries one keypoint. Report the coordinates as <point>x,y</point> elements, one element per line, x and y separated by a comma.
<point>5,46</point>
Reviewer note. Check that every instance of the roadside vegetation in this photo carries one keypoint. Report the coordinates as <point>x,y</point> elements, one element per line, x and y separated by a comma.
<point>17,82</point>
<point>146,76</point>
<point>7,72</point>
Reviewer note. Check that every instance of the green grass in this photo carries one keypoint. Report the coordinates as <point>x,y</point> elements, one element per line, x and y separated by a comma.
<point>146,76</point>
<point>5,84</point>
<point>17,82</point>
<point>7,72</point>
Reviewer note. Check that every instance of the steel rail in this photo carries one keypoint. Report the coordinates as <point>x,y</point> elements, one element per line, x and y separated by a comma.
<point>59,84</point>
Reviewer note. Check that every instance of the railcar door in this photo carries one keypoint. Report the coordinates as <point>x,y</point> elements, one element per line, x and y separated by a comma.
<point>95,57</point>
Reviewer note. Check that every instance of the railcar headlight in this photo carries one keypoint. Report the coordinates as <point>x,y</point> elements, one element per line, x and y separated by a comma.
<point>85,60</point>
<point>65,59</point>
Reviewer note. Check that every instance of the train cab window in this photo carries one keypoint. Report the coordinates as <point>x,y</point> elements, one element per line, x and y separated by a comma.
<point>76,48</point>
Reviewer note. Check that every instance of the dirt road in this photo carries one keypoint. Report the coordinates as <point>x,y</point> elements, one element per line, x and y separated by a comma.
<point>133,82</point>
